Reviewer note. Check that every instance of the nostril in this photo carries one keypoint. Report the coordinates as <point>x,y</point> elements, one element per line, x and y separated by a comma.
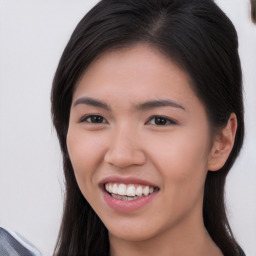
<point>125,158</point>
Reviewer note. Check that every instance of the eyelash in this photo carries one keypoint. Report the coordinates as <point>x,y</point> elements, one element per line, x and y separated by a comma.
<point>167,121</point>
<point>85,119</point>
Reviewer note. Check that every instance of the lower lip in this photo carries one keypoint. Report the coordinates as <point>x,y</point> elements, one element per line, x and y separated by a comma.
<point>128,206</point>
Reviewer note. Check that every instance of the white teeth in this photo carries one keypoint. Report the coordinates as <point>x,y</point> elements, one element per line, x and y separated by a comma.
<point>130,190</point>
<point>132,198</point>
<point>145,190</point>
<point>139,191</point>
<point>121,190</point>
<point>115,189</point>
<point>116,196</point>
<point>124,198</point>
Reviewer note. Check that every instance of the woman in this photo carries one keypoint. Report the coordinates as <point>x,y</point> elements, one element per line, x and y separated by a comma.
<point>147,104</point>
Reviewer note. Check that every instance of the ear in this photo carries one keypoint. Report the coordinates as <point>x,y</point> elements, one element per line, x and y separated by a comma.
<point>222,144</point>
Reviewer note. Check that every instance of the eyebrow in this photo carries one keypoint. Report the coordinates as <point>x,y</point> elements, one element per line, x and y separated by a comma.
<point>142,106</point>
<point>158,103</point>
<point>92,102</point>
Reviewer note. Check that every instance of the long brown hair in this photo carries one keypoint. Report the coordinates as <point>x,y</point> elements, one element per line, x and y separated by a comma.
<point>200,38</point>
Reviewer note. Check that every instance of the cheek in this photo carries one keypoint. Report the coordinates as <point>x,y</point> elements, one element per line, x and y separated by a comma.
<point>181,157</point>
<point>85,152</point>
<point>182,162</point>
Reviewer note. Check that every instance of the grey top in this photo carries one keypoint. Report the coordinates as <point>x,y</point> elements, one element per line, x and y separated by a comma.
<point>13,244</point>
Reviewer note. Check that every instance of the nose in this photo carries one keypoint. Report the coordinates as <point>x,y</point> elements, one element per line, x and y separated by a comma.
<point>125,149</point>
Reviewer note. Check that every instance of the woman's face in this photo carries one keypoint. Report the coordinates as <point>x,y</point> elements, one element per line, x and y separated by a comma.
<point>139,131</point>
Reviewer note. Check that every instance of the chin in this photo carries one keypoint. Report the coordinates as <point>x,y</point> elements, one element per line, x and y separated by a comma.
<point>131,237</point>
<point>132,234</point>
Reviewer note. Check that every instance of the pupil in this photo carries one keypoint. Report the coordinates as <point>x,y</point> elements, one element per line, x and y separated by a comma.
<point>160,121</point>
<point>97,119</point>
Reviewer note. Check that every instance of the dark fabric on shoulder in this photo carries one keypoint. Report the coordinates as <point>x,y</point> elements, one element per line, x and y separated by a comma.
<point>9,246</point>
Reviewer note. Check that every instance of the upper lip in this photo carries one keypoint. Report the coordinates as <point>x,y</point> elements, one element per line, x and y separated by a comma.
<point>127,180</point>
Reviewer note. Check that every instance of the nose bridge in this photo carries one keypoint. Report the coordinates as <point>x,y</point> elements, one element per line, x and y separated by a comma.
<point>124,147</point>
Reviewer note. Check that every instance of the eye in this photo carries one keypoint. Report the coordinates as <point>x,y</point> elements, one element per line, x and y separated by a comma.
<point>161,121</point>
<point>94,119</point>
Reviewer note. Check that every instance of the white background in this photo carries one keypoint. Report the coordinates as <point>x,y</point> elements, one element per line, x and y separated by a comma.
<point>33,34</point>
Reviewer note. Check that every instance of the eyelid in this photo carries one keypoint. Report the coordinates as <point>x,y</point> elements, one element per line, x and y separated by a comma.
<point>87,116</point>
<point>169,120</point>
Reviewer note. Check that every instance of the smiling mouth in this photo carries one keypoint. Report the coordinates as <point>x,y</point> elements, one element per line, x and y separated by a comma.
<point>129,192</point>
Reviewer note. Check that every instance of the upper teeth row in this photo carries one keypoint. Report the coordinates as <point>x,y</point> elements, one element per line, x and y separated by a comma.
<point>129,190</point>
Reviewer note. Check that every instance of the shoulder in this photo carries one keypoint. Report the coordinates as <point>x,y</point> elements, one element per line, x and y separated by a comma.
<point>13,244</point>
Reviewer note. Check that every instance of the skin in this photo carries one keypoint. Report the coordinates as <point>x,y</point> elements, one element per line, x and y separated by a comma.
<point>127,142</point>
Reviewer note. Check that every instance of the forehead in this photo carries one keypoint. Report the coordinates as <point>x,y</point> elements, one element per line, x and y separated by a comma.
<point>135,73</point>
